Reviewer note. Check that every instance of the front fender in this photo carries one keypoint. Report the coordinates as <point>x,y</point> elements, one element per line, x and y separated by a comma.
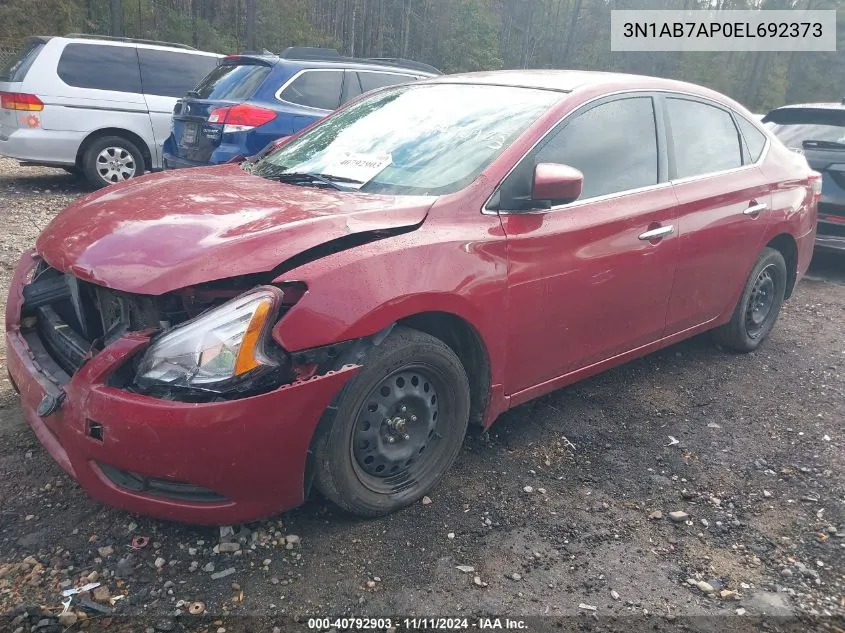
<point>360,291</point>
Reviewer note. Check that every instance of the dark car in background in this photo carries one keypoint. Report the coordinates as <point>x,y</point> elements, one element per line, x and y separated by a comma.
<point>817,130</point>
<point>251,100</point>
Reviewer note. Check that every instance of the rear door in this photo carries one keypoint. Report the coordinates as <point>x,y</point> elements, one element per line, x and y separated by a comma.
<point>724,204</point>
<point>819,134</point>
<point>99,85</point>
<point>233,81</point>
<point>167,75</point>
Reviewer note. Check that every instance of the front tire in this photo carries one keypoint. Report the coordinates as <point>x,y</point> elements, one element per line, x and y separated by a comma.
<point>398,427</point>
<point>758,307</point>
<point>110,160</point>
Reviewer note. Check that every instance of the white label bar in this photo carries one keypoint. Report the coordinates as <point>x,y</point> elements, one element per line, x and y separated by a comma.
<point>791,30</point>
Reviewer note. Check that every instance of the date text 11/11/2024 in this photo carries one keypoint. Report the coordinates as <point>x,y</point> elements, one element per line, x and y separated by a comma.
<point>435,624</point>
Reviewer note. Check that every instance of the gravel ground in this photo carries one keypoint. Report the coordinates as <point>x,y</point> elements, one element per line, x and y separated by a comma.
<point>562,511</point>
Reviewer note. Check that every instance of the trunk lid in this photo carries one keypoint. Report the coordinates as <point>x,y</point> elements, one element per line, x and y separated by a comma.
<point>166,231</point>
<point>235,80</point>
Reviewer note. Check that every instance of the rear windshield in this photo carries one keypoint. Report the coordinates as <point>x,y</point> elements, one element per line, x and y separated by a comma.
<point>796,127</point>
<point>15,68</point>
<point>232,82</point>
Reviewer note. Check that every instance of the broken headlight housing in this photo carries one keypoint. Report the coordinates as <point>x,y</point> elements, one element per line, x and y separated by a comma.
<point>217,350</point>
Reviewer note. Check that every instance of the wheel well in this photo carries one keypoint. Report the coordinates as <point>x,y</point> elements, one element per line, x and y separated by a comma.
<point>136,140</point>
<point>468,345</point>
<point>785,243</point>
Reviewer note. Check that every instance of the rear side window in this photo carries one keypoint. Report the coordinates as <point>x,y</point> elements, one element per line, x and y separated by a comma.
<point>232,82</point>
<point>100,67</point>
<point>315,89</point>
<point>372,80</point>
<point>704,138</point>
<point>755,140</point>
<point>16,67</point>
<point>170,74</point>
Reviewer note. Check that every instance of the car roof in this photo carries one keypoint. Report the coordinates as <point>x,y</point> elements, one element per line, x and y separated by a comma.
<point>82,38</point>
<point>318,61</point>
<point>572,80</point>
<point>359,65</point>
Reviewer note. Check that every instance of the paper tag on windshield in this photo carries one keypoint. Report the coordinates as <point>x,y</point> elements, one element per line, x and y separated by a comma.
<point>360,167</point>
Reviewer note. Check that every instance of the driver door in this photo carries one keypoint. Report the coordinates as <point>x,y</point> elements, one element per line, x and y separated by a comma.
<point>591,279</point>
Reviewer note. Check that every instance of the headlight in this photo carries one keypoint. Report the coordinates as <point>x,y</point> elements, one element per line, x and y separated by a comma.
<point>220,345</point>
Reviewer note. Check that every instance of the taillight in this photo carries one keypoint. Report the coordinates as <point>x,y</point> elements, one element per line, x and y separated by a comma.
<point>241,117</point>
<point>816,183</point>
<point>20,101</point>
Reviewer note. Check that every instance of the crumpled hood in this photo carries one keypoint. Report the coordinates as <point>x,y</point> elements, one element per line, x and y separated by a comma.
<point>167,231</point>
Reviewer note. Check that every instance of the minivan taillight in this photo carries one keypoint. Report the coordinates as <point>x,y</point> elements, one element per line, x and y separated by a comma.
<point>241,117</point>
<point>816,183</point>
<point>20,101</point>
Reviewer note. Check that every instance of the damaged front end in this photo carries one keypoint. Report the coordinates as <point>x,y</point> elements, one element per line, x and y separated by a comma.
<point>207,343</point>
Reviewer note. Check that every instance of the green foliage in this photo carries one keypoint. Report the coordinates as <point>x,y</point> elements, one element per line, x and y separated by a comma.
<point>456,36</point>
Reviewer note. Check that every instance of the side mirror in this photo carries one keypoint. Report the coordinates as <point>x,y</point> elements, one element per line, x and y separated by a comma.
<point>558,184</point>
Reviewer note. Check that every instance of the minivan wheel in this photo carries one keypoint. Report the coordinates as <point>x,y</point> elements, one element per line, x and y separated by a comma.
<point>758,307</point>
<point>398,427</point>
<point>111,159</point>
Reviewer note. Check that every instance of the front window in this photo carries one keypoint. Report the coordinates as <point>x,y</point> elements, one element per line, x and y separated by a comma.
<point>430,139</point>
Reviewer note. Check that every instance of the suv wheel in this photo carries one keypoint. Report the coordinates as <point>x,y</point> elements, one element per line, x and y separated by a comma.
<point>111,159</point>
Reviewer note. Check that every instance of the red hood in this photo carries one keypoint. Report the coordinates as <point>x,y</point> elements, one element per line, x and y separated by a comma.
<point>177,229</point>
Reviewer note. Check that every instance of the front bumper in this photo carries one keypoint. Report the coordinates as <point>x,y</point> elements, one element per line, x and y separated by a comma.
<point>249,455</point>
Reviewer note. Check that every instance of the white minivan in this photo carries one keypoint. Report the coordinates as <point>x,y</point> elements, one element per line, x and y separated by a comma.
<point>97,106</point>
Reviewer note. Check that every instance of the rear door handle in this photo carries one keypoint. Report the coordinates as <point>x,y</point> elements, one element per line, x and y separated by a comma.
<point>660,231</point>
<point>756,209</point>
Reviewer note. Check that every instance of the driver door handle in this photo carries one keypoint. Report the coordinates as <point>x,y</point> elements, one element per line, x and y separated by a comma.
<point>654,234</point>
<point>756,209</point>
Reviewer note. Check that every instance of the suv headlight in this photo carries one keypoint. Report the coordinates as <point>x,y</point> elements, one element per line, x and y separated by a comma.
<point>221,345</point>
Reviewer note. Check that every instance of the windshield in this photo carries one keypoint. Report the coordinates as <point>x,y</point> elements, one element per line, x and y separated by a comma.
<point>796,126</point>
<point>414,139</point>
<point>232,82</point>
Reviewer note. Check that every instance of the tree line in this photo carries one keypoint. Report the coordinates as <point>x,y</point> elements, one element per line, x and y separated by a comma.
<point>453,35</point>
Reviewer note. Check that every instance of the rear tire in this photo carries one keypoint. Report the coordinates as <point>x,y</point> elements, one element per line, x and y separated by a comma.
<point>398,427</point>
<point>111,159</point>
<point>758,307</point>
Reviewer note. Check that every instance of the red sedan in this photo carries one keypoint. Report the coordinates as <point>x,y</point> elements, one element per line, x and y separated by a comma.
<point>205,345</point>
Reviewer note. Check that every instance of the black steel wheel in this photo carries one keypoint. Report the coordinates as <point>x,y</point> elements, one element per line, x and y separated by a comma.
<point>761,301</point>
<point>758,307</point>
<point>398,427</point>
<point>394,428</point>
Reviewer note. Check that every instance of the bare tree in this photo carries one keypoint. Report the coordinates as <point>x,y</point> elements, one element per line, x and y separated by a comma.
<point>115,18</point>
<point>250,25</point>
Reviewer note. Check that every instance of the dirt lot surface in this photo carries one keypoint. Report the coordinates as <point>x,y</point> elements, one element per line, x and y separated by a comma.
<point>564,509</point>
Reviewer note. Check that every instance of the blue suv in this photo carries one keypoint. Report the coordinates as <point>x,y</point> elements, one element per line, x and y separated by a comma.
<point>251,100</point>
